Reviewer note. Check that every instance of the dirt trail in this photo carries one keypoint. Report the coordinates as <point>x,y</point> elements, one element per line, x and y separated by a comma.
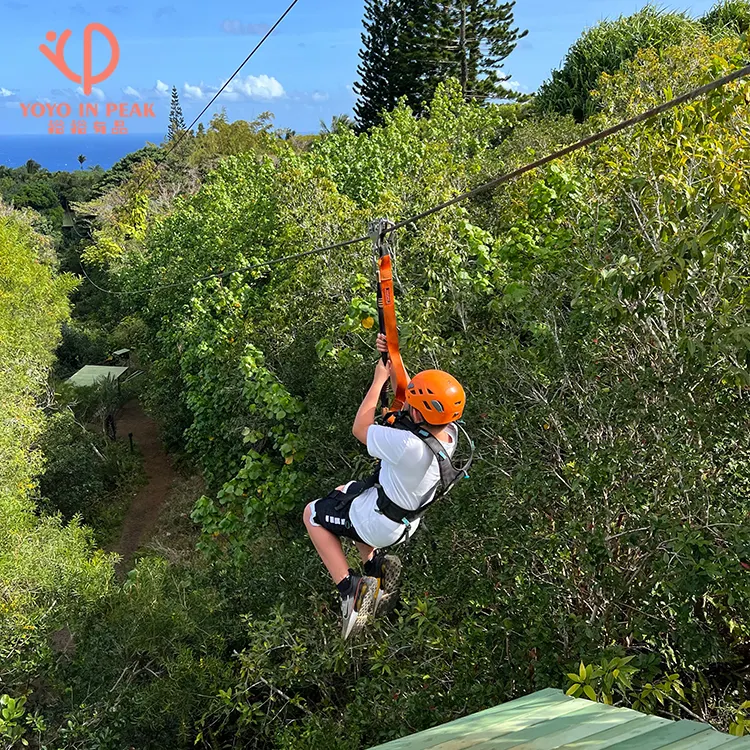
<point>144,510</point>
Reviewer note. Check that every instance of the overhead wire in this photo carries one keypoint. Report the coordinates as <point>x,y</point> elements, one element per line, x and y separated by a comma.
<point>489,185</point>
<point>231,78</point>
<point>583,143</point>
<point>187,130</point>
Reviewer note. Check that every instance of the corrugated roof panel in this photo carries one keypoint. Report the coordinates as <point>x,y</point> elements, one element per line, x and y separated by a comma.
<point>550,735</point>
<point>472,728</point>
<point>664,736</point>
<point>639,726</point>
<point>549,720</point>
<point>92,374</point>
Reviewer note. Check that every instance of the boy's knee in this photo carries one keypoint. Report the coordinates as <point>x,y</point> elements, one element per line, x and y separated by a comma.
<point>307,514</point>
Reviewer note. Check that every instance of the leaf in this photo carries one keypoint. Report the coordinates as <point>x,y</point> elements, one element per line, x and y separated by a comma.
<point>573,690</point>
<point>582,672</point>
<point>368,322</point>
<point>589,691</point>
<point>574,677</point>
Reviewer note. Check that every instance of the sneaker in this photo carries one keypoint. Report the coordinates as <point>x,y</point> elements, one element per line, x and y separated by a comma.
<point>358,605</point>
<point>388,573</point>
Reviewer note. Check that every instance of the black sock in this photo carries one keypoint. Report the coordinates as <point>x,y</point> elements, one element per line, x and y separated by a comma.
<point>371,566</point>
<point>346,585</point>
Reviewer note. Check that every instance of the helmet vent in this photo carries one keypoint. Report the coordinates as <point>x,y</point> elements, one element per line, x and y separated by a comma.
<point>432,393</point>
<point>427,405</point>
<point>438,406</point>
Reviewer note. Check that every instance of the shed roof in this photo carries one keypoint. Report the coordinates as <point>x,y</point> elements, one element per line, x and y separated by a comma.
<point>92,374</point>
<point>550,720</point>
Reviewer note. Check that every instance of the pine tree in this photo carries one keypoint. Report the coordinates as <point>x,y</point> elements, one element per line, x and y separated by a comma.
<point>410,46</point>
<point>490,39</point>
<point>480,36</point>
<point>378,88</point>
<point>176,120</point>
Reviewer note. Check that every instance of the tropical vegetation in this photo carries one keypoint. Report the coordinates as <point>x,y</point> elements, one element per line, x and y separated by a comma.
<point>596,311</point>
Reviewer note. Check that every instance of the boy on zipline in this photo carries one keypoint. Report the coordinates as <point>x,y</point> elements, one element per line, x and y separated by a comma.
<point>414,454</point>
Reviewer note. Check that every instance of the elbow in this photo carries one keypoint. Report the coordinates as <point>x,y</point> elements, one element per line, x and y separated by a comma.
<point>360,432</point>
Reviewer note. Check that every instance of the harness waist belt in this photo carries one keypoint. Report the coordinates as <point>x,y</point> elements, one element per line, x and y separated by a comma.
<point>394,512</point>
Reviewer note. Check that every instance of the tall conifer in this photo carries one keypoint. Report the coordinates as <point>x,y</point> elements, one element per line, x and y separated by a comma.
<point>380,80</point>
<point>176,120</point>
<point>410,46</point>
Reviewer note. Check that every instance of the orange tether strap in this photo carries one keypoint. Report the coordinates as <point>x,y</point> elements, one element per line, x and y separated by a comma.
<point>386,302</point>
<point>387,313</point>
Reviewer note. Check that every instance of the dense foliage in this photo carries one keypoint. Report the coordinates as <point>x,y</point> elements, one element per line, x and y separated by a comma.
<point>50,575</point>
<point>410,46</point>
<point>731,16</point>
<point>604,49</point>
<point>596,312</point>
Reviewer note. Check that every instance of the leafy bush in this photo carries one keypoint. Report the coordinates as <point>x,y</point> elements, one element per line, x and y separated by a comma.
<point>82,469</point>
<point>596,313</point>
<point>81,345</point>
<point>49,572</point>
<point>604,49</point>
<point>731,16</point>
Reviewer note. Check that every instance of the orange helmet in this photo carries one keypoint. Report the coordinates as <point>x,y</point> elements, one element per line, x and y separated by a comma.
<point>437,395</point>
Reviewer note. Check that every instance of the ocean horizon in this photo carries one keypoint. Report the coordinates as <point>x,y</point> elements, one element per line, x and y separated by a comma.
<point>59,153</point>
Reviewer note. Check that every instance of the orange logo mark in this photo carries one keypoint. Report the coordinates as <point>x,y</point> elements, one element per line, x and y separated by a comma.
<point>57,58</point>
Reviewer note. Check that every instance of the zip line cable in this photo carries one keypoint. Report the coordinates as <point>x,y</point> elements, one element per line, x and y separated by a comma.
<point>218,93</point>
<point>231,78</point>
<point>244,269</point>
<point>595,138</point>
<point>507,177</point>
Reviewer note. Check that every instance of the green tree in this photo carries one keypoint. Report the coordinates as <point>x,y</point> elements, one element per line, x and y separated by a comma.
<point>482,36</point>
<point>605,49</point>
<point>411,46</point>
<point>49,573</point>
<point>338,123</point>
<point>81,159</point>
<point>728,15</point>
<point>381,82</point>
<point>37,194</point>
<point>176,119</point>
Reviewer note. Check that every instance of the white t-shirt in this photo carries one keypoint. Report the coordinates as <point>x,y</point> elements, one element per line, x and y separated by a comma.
<point>408,471</point>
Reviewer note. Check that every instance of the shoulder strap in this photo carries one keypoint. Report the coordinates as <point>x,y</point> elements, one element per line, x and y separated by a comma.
<point>449,474</point>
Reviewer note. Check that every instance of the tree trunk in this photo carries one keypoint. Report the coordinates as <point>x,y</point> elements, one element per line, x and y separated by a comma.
<point>462,51</point>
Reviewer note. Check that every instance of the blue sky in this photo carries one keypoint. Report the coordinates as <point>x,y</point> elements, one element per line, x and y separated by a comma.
<point>303,73</point>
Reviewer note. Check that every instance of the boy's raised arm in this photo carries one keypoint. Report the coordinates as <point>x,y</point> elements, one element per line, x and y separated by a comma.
<point>366,412</point>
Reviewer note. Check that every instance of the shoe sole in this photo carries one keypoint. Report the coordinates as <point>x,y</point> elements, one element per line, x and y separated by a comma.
<point>366,602</point>
<point>387,600</point>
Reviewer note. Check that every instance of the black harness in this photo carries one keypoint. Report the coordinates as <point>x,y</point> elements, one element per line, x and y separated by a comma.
<point>449,475</point>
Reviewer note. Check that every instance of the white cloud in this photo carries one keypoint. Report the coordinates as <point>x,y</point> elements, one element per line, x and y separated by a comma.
<point>193,92</point>
<point>96,93</point>
<point>513,84</point>
<point>319,96</point>
<point>161,88</point>
<point>130,91</point>
<point>254,87</point>
<point>5,92</point>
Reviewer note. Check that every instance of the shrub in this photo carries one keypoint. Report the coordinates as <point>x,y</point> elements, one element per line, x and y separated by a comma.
<point>604,49</point>
<point>728,16</point>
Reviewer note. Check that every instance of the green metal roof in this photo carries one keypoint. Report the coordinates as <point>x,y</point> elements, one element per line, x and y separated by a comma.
<point>91,374</point>
<point>550,720</point>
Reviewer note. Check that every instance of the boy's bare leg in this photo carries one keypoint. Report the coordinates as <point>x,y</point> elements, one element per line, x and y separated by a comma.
<point>365,551</point>
<point>329,549</point>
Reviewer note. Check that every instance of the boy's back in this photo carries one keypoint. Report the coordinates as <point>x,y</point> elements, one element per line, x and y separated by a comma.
<point>409,475</point>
